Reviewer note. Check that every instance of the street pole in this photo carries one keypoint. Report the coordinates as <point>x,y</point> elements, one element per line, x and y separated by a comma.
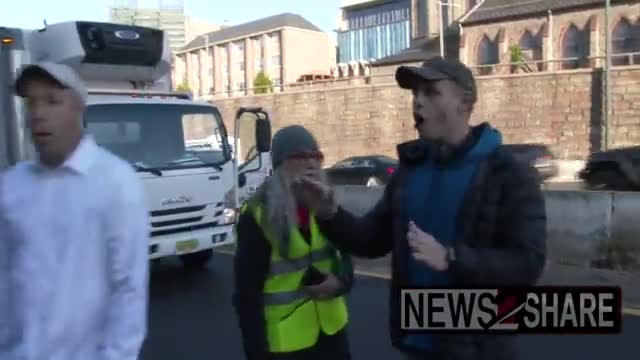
<point>607,89</point>
<point>440,5</point>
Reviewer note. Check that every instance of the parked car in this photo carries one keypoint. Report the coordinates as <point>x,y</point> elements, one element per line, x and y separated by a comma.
<point>617,169</point>
<point>373,170</point>
<point>537,155</point>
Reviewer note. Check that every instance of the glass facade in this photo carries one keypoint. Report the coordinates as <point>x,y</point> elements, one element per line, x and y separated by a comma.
<point>375,32</point>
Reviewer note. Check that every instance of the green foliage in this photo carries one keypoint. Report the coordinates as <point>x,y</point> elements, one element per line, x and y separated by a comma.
<point>183,87</point>
<point>262,84</point>
<point>517,56</point>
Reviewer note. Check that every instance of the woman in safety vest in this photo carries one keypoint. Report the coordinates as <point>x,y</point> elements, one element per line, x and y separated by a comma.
<point>290,282</point>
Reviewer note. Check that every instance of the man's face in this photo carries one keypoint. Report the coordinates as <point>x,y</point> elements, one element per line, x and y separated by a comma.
<point>54,119</point>
<point>438,110</point>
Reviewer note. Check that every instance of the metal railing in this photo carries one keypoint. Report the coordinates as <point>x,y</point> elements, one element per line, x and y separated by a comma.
<point>619,61</point>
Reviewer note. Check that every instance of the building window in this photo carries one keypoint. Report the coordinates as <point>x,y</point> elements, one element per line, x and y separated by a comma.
<point>275,60</point>
<point>241,86</point>
<point>531,46</point>
<point>275,40</point>
<point>378,31</point>
<point>422,17</point>
<point>241,65</point>
<point>625,39</point>
<point>575,48</point>
<point>488,54</point>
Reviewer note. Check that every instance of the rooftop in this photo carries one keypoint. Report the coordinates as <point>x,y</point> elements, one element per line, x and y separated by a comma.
<point>252,27</point>
<point>425,48</point>
<point>496,10</point>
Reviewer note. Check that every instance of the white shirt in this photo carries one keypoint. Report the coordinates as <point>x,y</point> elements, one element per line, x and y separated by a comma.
<point>73,259</point>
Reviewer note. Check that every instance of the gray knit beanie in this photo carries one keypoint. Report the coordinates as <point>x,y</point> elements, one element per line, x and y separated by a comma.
<point>291,140</point>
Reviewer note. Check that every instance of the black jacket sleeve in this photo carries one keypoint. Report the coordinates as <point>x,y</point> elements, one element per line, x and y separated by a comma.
<point>345,275</point>
<point>368,236</point>
<point>521,233</point>
<point>251,266</point>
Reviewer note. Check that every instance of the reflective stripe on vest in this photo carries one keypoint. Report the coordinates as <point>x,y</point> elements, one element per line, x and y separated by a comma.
<point>293,319</point>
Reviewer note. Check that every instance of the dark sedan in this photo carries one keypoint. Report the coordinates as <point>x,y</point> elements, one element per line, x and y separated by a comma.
<point>537,155</point>
<point>617,169</point>
<point>371,170</point>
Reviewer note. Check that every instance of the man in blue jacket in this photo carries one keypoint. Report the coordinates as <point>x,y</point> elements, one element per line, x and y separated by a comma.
<point>460,211</point>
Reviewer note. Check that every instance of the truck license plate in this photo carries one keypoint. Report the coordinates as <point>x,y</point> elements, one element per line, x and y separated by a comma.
<point>186,246</point>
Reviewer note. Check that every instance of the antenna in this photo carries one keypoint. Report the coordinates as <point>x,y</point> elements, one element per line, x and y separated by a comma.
<point>44,21</point>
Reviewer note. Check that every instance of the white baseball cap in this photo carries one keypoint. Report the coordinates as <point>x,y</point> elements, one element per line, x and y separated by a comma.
<point>60,73</point>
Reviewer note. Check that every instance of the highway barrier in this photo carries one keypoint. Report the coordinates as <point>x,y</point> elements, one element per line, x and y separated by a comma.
<point>588,229</point>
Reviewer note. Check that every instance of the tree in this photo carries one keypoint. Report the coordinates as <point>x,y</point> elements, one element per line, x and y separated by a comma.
<point>262,84</point>
<point>184,87</point>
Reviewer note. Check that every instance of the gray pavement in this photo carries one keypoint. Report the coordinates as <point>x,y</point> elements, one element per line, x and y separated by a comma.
<point>564,186</point>
<point>191,318</point>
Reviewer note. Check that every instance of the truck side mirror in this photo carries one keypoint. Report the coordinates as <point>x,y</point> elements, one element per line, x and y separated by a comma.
<point>263,135</point>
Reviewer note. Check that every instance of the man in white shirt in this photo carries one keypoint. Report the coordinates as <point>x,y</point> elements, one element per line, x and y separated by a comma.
<point>74,234</point>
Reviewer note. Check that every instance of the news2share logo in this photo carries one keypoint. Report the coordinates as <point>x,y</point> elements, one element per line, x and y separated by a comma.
<point>545,309</point>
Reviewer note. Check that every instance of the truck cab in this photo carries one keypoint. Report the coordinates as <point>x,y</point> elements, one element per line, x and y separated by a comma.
<point>133,112</point>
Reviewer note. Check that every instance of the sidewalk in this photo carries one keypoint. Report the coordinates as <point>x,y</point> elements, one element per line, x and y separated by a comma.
<point>555,274</point>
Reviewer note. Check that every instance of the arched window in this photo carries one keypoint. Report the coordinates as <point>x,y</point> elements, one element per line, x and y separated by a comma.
<point>531,46</point>
<point>575,46</point>
<point>487,55</point>
<point>625,39</point>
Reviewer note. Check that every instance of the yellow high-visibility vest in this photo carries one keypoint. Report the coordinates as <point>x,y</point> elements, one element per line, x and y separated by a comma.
<point>293,319</point>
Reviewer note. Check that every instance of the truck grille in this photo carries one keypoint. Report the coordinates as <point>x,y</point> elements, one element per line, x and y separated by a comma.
<point>182,210</point>
<point>191,222</point>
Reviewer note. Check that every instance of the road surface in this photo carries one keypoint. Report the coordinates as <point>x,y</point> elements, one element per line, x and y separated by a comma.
<point>191,318</point>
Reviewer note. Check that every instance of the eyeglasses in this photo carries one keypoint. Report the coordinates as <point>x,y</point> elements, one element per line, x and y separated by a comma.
<point>313,155</point>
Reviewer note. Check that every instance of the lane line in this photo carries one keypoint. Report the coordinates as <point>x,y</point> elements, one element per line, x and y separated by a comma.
<point>631,311</point>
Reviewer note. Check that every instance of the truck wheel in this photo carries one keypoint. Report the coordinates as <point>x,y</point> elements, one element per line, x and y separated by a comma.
<point>197,260</point>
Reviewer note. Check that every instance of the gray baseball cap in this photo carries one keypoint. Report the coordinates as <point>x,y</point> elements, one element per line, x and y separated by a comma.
<point>64,75</point>
<point>435,69</point>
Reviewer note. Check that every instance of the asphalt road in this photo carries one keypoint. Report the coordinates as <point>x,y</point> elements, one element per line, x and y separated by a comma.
<point>191,318</point>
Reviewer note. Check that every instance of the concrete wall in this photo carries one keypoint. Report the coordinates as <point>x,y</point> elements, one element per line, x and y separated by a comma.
<point>586,229</point>
<point>560,109</point>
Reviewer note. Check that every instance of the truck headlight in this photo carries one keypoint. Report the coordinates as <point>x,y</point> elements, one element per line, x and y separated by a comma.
<point>228,216</point>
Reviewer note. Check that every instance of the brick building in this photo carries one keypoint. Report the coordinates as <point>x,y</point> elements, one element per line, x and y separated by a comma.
<point>369,30</point>
<point>226,62</point>
<point>507,36</point>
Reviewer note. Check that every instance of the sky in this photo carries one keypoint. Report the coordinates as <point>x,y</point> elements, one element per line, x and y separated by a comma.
<point>31,13</point>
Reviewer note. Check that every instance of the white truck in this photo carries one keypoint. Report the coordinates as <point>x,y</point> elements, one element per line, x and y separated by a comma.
<point>133,112</point>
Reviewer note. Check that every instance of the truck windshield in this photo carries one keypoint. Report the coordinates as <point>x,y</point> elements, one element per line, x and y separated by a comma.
<point>160,136</point>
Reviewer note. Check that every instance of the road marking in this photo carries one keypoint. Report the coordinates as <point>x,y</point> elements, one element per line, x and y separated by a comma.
<point>373,274</point>
<point>631,311</point>
<point>226,252</point>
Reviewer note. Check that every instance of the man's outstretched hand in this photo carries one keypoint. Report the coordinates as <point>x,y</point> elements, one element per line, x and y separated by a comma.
<point>426,249</point>
<point>317,196</point>
<point>327,289</point>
